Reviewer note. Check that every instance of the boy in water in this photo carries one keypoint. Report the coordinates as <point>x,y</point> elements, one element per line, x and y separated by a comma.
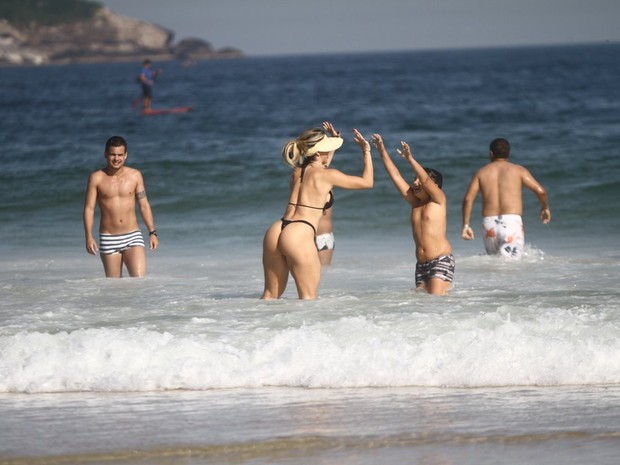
<point>434,270</point>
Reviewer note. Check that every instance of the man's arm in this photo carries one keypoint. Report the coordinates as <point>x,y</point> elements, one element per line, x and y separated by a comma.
<point>401,185</point>
<point>143,78</point>
<point>530,182</point>
<point>146,212</point>
<point>468,202</point>
<point>90,200</point>
<point>432,189</point>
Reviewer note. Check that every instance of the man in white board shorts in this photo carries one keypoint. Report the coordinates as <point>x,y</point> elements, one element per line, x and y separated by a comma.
<point>501,184</point>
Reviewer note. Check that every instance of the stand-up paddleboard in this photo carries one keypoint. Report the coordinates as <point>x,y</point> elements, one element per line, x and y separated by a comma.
<point>164,111</point>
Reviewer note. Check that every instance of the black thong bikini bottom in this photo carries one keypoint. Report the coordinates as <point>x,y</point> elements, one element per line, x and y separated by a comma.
<point>285,223</point>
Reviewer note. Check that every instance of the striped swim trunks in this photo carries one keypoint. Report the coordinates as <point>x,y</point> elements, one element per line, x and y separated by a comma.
<point>442,268</point>
<point>117,243</point>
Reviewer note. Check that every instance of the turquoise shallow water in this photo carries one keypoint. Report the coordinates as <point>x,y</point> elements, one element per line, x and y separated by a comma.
<point>518,364</point>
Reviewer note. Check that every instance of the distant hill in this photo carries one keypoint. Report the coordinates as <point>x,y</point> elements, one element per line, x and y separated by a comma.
<point>24,13</point>
<point>77,31</point>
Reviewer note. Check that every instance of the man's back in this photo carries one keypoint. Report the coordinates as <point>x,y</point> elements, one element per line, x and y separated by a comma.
<point>501,185</point>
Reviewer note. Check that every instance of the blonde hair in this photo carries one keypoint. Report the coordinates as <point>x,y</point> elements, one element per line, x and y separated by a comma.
<point>295,151</point>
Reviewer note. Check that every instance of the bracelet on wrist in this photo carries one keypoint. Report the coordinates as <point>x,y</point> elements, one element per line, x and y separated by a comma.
<point>153,232</point>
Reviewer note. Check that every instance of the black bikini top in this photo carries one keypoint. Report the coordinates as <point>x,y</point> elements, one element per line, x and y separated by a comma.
<point>329,204</point>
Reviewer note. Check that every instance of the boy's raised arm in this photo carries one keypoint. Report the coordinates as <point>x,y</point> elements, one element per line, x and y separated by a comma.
<point>401,185</point>
<point>434,191</point>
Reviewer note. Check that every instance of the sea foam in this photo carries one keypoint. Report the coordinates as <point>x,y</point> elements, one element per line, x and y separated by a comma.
<point>540,347</point>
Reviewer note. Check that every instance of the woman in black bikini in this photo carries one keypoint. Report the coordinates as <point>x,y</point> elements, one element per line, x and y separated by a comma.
<point>275,267</point>
<point>310,196</point>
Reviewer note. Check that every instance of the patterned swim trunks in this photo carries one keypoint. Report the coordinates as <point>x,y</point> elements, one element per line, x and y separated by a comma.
<point>325,241</point>
<point>441,268</point>
<point>504,235</point>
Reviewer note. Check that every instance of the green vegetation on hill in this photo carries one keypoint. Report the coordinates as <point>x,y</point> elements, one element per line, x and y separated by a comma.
<point>21,13</point>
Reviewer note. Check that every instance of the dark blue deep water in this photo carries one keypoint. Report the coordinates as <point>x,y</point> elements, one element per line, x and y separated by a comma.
<point>215,174</point>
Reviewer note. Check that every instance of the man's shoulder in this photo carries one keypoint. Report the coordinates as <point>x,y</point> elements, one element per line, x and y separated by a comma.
<point>95,175</point>
<point>133,171</point>
<point>517,169</point>
<point>485,169</point>
<point>133,174</point>
<point>500,165</point>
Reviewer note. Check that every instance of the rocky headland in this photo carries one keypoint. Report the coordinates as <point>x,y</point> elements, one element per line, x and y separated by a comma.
<point>104,37</point>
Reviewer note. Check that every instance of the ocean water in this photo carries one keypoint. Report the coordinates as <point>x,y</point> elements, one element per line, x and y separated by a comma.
<point>520,363</point>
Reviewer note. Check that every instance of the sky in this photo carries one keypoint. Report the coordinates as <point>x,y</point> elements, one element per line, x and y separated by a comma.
<point>290,27</point>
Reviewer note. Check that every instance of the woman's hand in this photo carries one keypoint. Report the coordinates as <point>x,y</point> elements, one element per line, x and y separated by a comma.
<point>359,140</point>
<point>329,127</point>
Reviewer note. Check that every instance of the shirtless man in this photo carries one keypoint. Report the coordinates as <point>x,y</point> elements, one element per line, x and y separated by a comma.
<point>501,183</point>
<point>115,190</point>
<point>434,269</point>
